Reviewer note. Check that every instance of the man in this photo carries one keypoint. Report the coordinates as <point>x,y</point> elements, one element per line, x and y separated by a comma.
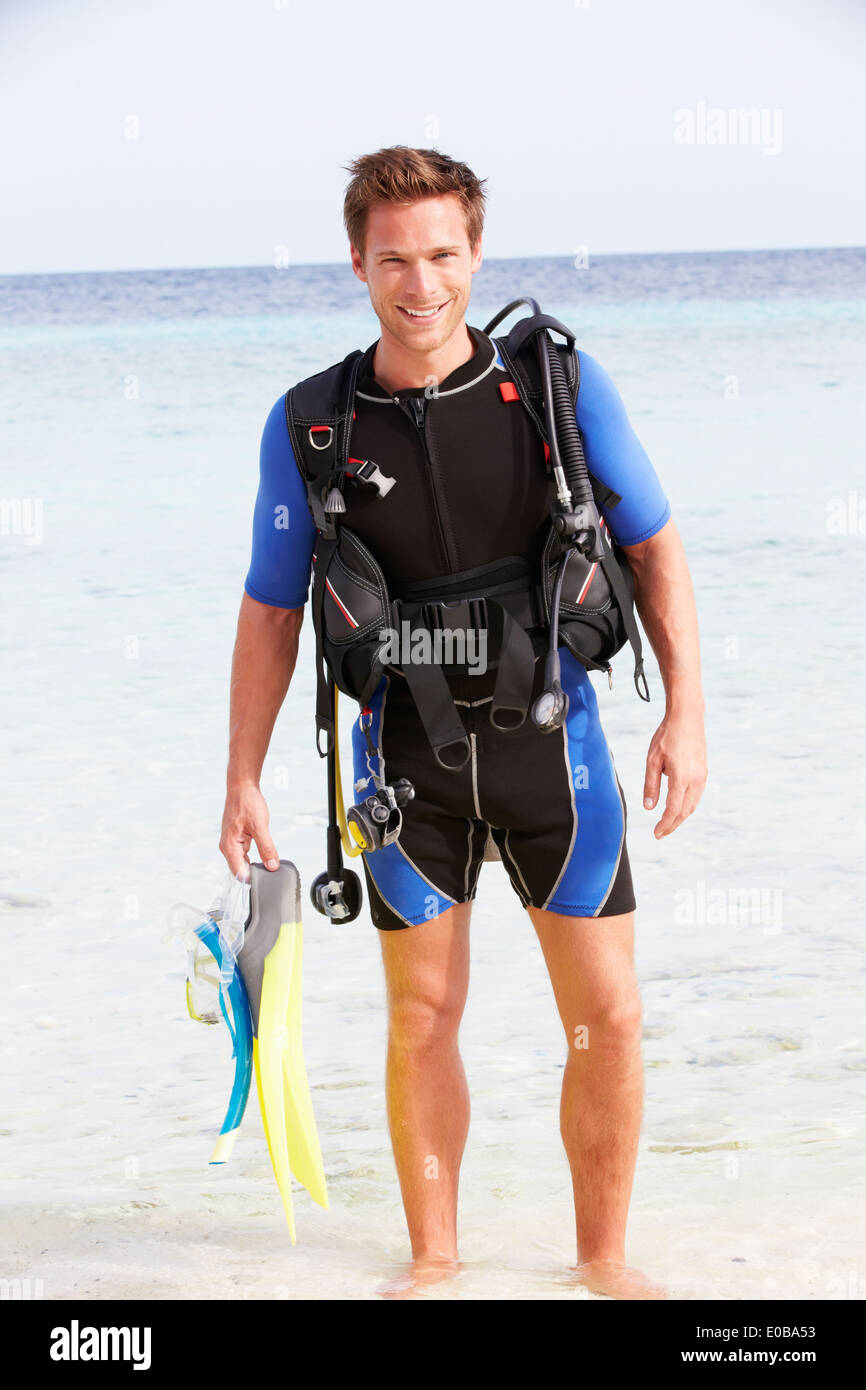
<point>414,219</point>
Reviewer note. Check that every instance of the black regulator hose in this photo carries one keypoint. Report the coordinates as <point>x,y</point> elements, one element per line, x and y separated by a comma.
<point>509,309</point>
<point>566,447</point>
<point>336,892</point>
<point>570,442</point>
<point>560,408</point>
<point>550,708</point>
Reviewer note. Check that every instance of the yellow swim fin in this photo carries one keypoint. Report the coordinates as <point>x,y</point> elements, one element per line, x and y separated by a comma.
<point>304,1154</point>
<point>270,962</point>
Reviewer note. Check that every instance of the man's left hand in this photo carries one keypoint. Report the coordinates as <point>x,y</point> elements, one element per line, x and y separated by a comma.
<point>678,751</point>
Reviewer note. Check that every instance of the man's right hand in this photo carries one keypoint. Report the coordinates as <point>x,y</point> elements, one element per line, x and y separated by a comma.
<point>266,649</point>
<point>246,819</point>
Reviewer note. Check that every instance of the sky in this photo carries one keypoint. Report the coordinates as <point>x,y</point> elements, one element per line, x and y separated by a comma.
<point>215,132</point>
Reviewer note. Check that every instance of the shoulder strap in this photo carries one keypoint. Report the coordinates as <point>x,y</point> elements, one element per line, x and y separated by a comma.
<point>519,358</point>
<point>319,414</point>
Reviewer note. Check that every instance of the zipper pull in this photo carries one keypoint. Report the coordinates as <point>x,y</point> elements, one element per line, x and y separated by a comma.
<point>413,406</point>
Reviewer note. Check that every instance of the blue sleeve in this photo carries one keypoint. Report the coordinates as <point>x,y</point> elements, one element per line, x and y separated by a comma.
<point>616,457</point>
<point>283,529</point>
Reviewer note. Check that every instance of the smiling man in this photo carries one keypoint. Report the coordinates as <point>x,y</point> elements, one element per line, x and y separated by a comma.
<point>457,511</point>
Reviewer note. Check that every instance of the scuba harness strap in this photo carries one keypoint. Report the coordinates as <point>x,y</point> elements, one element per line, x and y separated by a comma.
<point>438,713</point>
<point>513,689</point>
<point>325,548</point>
<point>326,432</point>
<point>511,692</point>
<point>626,608</point>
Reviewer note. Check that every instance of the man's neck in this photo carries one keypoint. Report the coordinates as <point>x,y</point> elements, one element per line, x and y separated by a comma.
<point>396,368</point>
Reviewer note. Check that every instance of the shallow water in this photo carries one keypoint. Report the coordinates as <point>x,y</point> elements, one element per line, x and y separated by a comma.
<point>132,407</point>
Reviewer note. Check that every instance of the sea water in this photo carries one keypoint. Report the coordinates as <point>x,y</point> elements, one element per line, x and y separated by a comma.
<point>132,407</point>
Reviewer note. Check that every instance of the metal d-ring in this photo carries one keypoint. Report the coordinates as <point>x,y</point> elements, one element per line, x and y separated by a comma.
<point>317,429</point>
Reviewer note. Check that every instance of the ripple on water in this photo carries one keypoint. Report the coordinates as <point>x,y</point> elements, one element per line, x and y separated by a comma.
<point>700,1148</point>
<point>742,1051</point>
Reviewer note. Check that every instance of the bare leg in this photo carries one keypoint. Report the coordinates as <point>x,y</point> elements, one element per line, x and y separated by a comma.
<point>591,967</point>
<point>427,978</point>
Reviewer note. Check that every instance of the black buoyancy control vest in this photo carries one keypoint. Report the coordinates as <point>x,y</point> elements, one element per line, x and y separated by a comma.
<point>433,509</point>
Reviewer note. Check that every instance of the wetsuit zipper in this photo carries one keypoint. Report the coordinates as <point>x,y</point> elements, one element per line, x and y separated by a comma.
<point>415,407</point>
<point>477,804</point>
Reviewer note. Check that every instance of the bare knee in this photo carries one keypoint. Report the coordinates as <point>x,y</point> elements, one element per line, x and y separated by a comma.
<point>427,975</point>
<point>423,1023</point>
<point>610,1025</point>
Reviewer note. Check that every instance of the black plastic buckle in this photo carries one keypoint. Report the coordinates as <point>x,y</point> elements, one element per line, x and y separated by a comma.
<point>371,475</point>
<point>461,615</point>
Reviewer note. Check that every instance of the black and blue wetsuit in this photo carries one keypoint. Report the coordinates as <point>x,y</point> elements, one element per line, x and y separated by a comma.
<point>472,488</point>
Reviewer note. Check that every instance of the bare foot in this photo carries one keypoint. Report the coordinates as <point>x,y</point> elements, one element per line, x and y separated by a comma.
<point>426,1270</point>
<point>615,1280</point>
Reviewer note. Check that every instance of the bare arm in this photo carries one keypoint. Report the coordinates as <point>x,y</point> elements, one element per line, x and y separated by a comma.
<point>266,649</point>
<point>665,601</point>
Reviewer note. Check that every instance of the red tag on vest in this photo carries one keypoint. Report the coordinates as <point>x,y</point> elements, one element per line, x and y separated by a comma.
<point>508,391</point>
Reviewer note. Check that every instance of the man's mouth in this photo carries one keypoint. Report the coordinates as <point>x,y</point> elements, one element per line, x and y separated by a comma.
<point>422,315</point>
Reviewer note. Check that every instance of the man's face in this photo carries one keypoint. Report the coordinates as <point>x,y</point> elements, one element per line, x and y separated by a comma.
<point>418,267</point>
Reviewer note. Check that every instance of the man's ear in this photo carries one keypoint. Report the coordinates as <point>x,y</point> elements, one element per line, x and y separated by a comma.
<point>357,262</point>
<point>475,263</point>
